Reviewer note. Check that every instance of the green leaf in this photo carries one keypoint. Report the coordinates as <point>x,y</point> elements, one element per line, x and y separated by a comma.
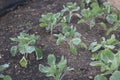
<point>39,53</point>
<point>95,56</point>
<point>70,6</point>
<point>83,45</point>
<point>7,77</point>
<point>73,50</point>
<point>60,38</point>
<point>23,62</point>
<point>22,49</point>
<point>30,49</point>
<point>104,68</point>
<point>103,25</point>
<point>92,45</point>
<point>110,46</point>
<point>14,39</point>
<point>107,6</point>
<point>114,64</point>
<point>100,77</point>
<point>96,10</point>
<point>109,30</point>
<point>13,50</point>
<point>61,65</point>
<point>96,63</point>
<point>76,41</point>
<point>112,40</point>
<point>106,55</point>
<point>43,68</point>
<point>69,69</point>
<point>43,25</point>
<point>86,13</point>
<point>117,56</point>
<point>51,59</point>
<point>92,23</point>
<point>115,76</point>
<point>52,71</point>
<point>81,21</point>
<point>3,67</point>
<point>78,15</point>
<point>111,18</point>
<point>96,48</point>
<point>87,1</point>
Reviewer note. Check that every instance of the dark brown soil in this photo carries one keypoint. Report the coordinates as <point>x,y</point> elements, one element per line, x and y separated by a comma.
<point>26,18</point>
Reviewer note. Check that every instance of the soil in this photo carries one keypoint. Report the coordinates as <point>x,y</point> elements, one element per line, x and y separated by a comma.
<point>26,19</point>
<point>115,3</point>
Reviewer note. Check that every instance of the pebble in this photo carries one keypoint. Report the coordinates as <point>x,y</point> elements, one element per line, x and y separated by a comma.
<point>0,56</point>
<point>90,77</point>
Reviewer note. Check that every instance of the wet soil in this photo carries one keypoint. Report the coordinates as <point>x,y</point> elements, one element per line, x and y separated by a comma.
<point>26,19</point>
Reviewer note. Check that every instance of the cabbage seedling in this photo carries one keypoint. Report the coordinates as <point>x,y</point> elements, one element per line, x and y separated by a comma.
<point>109,63</point>
<point>2,76</point>
<point>57,71</point>
<point>109,43</point>
<point>25,46</point>
<point>71,8</point>
<point>49,21</point>
<point>72,37</point>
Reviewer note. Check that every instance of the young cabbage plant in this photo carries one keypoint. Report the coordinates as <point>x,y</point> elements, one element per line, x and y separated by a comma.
<point>113,19</point>
<point>115,76</point>
<point>95,11</point>
<point>115,26</point>
<point>111,16</point>
<point>109,63</point>
<point>72,37</point>
<point>2,76</point>
<point>86,3</point>
<point>72,9</point>
<point>49,21</point>
<point>107,7</point>
<point>90,14</point>
<point>25,46</point>
<point>109,43</point>
<point>55,70</point>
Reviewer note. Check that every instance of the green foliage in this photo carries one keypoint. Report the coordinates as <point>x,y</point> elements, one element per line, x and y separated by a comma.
<point>90,14</point>
<point>86,13</point>
<point>23,62</point>
<point>2,68</point>
<point>109,63</point>
<point>95,11</point>
<point>100,77</point>
<point>107,7</point>
<point>114,20</point>
<point>25,46</point>
<point>115,76</point>
<point>49,21</point>
<point>57,71</point>
<point>71,8</point>
<point>71,36</point>
<point>109,43</point>
<point>111,18</point>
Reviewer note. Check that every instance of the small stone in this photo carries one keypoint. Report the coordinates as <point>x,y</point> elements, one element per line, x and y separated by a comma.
<point>90,77</point>
<point>0,56</point>
<point>36,32</point>
<point>6,49</point>
<point>15,66</point>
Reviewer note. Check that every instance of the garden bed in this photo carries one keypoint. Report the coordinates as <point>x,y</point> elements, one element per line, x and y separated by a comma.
<point>26,19</point>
